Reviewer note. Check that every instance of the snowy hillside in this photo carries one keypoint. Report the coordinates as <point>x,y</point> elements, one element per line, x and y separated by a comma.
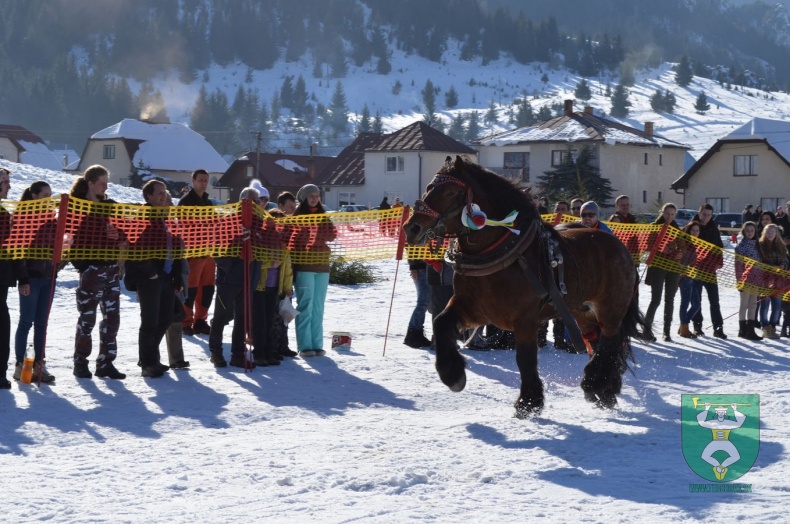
<point>500,82</point>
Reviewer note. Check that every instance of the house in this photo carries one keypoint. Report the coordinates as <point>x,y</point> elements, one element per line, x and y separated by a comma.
<point>751,165</point>
<point>168,151</point>
<point>277,172</point>
<point>19,145</point>
<point>640,164</point>
<point>395,165</point>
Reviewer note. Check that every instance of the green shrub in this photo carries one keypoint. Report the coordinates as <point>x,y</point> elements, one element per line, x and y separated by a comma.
<point>350,273</point>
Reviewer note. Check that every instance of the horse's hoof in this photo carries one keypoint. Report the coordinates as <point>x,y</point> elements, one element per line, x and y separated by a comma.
<point>452,371</point>
<point>589,396</point>
<point>458,386</point>
<point>526,409</point>
<point>606,401</point>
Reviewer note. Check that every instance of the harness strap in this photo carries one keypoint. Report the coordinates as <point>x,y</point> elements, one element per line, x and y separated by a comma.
<point>555,298</point>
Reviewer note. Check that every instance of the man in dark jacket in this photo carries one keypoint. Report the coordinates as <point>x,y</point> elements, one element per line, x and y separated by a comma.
<point>6,281</point>
<point>153,279</point>
<point>202,279</point>
<point>712,261</point>
<point>748,214</point>
<point>622,207</point>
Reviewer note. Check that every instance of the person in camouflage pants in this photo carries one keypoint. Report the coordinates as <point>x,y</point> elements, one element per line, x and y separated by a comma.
<point>99,287</point>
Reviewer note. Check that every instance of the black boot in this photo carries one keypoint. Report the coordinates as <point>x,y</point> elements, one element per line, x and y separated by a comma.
<point>785,332</point>
<point>751,325</point>
<point>81,369</point>
<point>718,332</point>
<point>559,336</point>
<point>415,338</point>
<point>742,327</point>
<point>667,337</point>
<point>698,329</point>
<point>648,333</point>
<point>543,331</point>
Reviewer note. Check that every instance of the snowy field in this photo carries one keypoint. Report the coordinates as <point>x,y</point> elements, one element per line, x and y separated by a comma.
<point>364,436</point>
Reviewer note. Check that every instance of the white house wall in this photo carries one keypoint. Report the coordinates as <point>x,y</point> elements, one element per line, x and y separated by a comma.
<point>8,150</point>
<point>715,178</point>
<point>119,167</point>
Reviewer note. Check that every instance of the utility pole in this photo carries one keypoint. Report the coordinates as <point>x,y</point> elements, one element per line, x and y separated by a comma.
<point>258,139</point>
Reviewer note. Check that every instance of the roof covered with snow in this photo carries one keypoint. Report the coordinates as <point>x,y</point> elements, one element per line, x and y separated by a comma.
<point>32,149</point>
<point>172,147</point>
<point>578,127</point>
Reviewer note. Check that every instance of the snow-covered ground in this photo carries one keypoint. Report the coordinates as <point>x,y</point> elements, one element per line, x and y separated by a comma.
<point>364,435</point>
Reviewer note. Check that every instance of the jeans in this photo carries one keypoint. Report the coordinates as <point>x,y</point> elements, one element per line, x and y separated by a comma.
<point>712,289</point>
<point>690,298</point>
<point>775,304</point>
<point>417,319</point>
<point>33,311</point>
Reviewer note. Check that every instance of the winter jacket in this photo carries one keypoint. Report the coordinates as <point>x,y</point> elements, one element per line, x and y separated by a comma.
<point>312,240</point>
<point>92,233</point>
<point>6,265</point>
<point>151,238</point>
<point>712,259</point>
<point>748,248</point>
<point>192,199</point>
<point>623,219</point>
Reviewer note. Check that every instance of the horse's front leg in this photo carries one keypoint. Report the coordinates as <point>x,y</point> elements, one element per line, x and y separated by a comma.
<point>450,365</point>
<point>530,400</point>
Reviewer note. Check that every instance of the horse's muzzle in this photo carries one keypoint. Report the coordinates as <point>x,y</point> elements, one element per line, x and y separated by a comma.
<point>415,234</point>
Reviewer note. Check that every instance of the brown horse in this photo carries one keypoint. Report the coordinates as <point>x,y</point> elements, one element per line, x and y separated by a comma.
<point>508,276</point>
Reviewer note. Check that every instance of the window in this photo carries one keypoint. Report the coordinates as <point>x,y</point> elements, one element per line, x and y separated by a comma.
<point>661,160</point>
<point>770,204</point>
<point>558,157</point>
<point>720,205</point>
<point>395,164</point>
<point>645,158</point>
<point>660,196</point>
<point>644,197</point>
<point>108,152</point>
<point>344,199</point>
<point>516,166</point>
<point>744,165</point>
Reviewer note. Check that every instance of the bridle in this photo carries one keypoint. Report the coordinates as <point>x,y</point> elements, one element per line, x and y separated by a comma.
<point>438,230</point>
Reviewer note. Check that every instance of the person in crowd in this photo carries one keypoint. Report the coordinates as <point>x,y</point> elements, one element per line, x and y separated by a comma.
<point>758,211</point>
<point>622,214</point>
<point>263,193</point>
<point>36,287</point>
<point>765,218</point>
<point>274,284</point>
<point>662,281</point>
<point>562,207</point>
<point>229,304</point>
<point>173,336</point>
<point>784,223</point>
<point>415,333</point>
<point>311,271</point>
<point>6,281</point>
<point>200,290</point>
<point>690,288</point>
<point>576,206</point>
<point>286,202</point>
<point>713,260</point>
<point>397,203</point>
<point>747,247</point>
<point>543,205</point>
<point>154,280</point>
<point>99,284</point>
<point>589,214</point>
<point>748,214</point>
<point>384,204</point>
<point>774,253</point>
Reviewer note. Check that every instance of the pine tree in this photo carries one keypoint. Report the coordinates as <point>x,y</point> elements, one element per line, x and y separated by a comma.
<point>684,73</point>
<point>657,101</point>
<point>451,98</point>
<point>669,101</point>
<point>576,177</point>
<point>458,127</point>
<point>582,91</point>
<point>365,124</point>
<point>287,93</point>
<point>299,97</point>
<point>620,102</point>
<point>525,116</point>
<point>702,105</point>
<point>378,123</point>
<point>339,110</point>
<point>543,114</point>
<point>490,119</point>
<point>429,100</point>
<point>473,127</point>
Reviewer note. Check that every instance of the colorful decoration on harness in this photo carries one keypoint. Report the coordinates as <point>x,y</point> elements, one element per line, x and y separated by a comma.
<point>474,218</point>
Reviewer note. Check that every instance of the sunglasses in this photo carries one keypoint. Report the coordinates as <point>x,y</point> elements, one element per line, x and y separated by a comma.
<point>589,215</point>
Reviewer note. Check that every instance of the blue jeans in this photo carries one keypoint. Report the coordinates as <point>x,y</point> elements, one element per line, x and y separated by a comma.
<point>417,319</point>
<point>690,299</point>
<point>311,291</point>
<point>775,304</point>
<point>33,311</point>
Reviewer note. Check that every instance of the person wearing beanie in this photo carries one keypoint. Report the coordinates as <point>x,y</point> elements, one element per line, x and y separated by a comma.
<point>589,214</point>
<point>310,256</point>
<point>263,193</point>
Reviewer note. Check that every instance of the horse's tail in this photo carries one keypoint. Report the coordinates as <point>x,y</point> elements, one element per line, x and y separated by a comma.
<point>633,326</point>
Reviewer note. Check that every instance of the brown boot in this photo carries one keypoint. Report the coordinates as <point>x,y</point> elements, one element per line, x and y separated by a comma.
<point>685,332</point>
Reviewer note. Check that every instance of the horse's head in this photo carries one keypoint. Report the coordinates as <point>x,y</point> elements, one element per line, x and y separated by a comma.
<point>437,214</point>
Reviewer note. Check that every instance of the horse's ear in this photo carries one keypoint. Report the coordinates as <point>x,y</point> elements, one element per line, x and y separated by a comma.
<point>459,162</point>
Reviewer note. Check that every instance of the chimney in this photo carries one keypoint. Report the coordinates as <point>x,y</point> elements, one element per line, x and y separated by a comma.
<point>568,107</point>
<point>588,110</point>
<point>649,129</point>
<point>314,149</point>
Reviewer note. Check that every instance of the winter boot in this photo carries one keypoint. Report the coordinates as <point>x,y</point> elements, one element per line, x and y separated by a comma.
<point>543,331</point>
<point>774,335</point>
<point>108,370</point>
<point>415,338</point>
<point>18,371</point>
<point>767,332</point>
<point>667,337</point>
<point>749,333</point>
<point>685,332</point>
<point>743,325</point>
<point>559,336</point>
<point>40,373</point>
<point>718,332</point>
<point>648,333</point>
<point>785,332</point>
<point>81,369</point>
<point>698,329</point>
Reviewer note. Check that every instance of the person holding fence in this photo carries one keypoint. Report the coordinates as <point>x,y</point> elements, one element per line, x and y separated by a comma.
<point>747,247</point>
<point>663,281</point>
<point>311,253</point>
<point>690,288</point>
<point>712,261</point>
<point>36,286</point>
<point>99,285</point>
<point>774,253</point>
<point>6,281</point>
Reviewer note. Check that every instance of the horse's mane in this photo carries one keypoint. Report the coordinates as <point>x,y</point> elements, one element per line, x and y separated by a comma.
<point>499,192</point>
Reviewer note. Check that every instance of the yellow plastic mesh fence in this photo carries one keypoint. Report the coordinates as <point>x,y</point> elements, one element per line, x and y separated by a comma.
<point>65,228</point>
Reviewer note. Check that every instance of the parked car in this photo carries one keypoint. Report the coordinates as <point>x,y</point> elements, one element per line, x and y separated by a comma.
<point>685,216</point>
<point>352,208</point>
<point>728,220</point>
